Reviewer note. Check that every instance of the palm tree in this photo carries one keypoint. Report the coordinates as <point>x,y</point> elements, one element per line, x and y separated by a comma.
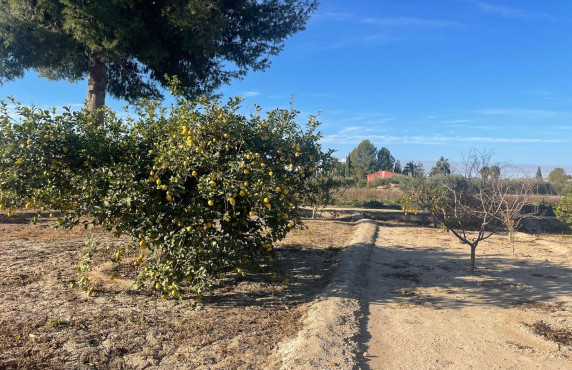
<point>442,167</point>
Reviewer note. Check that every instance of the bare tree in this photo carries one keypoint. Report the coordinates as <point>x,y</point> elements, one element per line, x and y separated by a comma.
<point>513,196</point>
<point>472,206</point>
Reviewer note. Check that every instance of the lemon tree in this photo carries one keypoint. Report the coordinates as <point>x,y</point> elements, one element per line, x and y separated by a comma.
<point>200,189</point>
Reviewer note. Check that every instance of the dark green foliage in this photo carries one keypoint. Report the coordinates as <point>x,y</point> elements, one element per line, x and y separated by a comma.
<point>202,188</point>
<point>348,167</point>
<point>414,169</point>
<point>397,168</point>
<point>363,159</point>
<point>558,175</point>
<point>487,172</point>
<point>339,168</point>
<point>442,167</point>
<point>564,208</point>
<point>538,174</point>
<point>204,43</point>
<point>385,161</point>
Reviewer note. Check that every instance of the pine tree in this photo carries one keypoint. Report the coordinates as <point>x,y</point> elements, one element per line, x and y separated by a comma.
<point>126,48</point>
<point>539,174</point>
<point>363,159</point>
<point>385,161</point>
<point>397,167</point>
<point>348,168</point>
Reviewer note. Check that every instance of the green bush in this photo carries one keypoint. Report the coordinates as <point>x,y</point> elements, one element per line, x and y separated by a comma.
<point>564,207</point>
<point>200,189</point>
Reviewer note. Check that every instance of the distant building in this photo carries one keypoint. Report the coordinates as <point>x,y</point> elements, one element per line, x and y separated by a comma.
<point>382,175</point>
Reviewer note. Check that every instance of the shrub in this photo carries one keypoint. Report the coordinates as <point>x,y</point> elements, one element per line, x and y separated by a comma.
<point>564,207</point>
<point>361,183</point>
<point>200,189</point>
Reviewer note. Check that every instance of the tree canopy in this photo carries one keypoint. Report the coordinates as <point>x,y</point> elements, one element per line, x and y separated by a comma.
<point>414,169</point>
<point>490,171</point>
<point>564,208</point>
<point>557,175</point>
<point>538,174</point>
<point>385,161</point>
<point>363,159</point>
<point>442,167</point>
<point>397,166</point>
<point>126,48</point>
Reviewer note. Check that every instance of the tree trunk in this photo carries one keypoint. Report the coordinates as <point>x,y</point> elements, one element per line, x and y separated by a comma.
<point>96,83</point>
<point>473,250</point>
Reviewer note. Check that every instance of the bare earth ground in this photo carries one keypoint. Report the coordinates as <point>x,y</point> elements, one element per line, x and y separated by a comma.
<point>45,324</point>
<point>426,310</point>
<point>418,304</point>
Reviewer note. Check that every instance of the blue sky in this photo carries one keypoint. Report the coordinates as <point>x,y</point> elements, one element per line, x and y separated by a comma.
<point>422,78</point>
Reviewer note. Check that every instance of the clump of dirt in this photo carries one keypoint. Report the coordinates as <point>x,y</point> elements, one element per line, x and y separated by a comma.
<point>543,306</point>
<point>562,336</point>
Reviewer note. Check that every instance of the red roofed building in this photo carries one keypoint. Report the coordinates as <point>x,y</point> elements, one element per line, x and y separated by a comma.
<point>381,175</point>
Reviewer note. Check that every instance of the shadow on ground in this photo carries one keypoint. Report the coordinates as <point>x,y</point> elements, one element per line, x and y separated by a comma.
<point>409,275</point>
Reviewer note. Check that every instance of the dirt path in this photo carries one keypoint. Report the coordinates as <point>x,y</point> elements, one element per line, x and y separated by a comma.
<point>333,321</point>
<point>425,309</point>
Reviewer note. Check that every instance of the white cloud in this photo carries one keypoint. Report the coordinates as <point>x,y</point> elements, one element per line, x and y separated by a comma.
<point>410,22</point>
<point>562,127</point>
<point>508,12</point>
<point>339,138</point>
<point>248,94</point>
<point>334,16</point>
<point>519,112</point>
<point>457,121</point>
<point>540,92</point>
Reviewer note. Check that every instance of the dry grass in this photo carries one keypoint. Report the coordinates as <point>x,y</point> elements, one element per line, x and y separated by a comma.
<point>362,196</point>
<point>45,324</point>
<point>544,199</point>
